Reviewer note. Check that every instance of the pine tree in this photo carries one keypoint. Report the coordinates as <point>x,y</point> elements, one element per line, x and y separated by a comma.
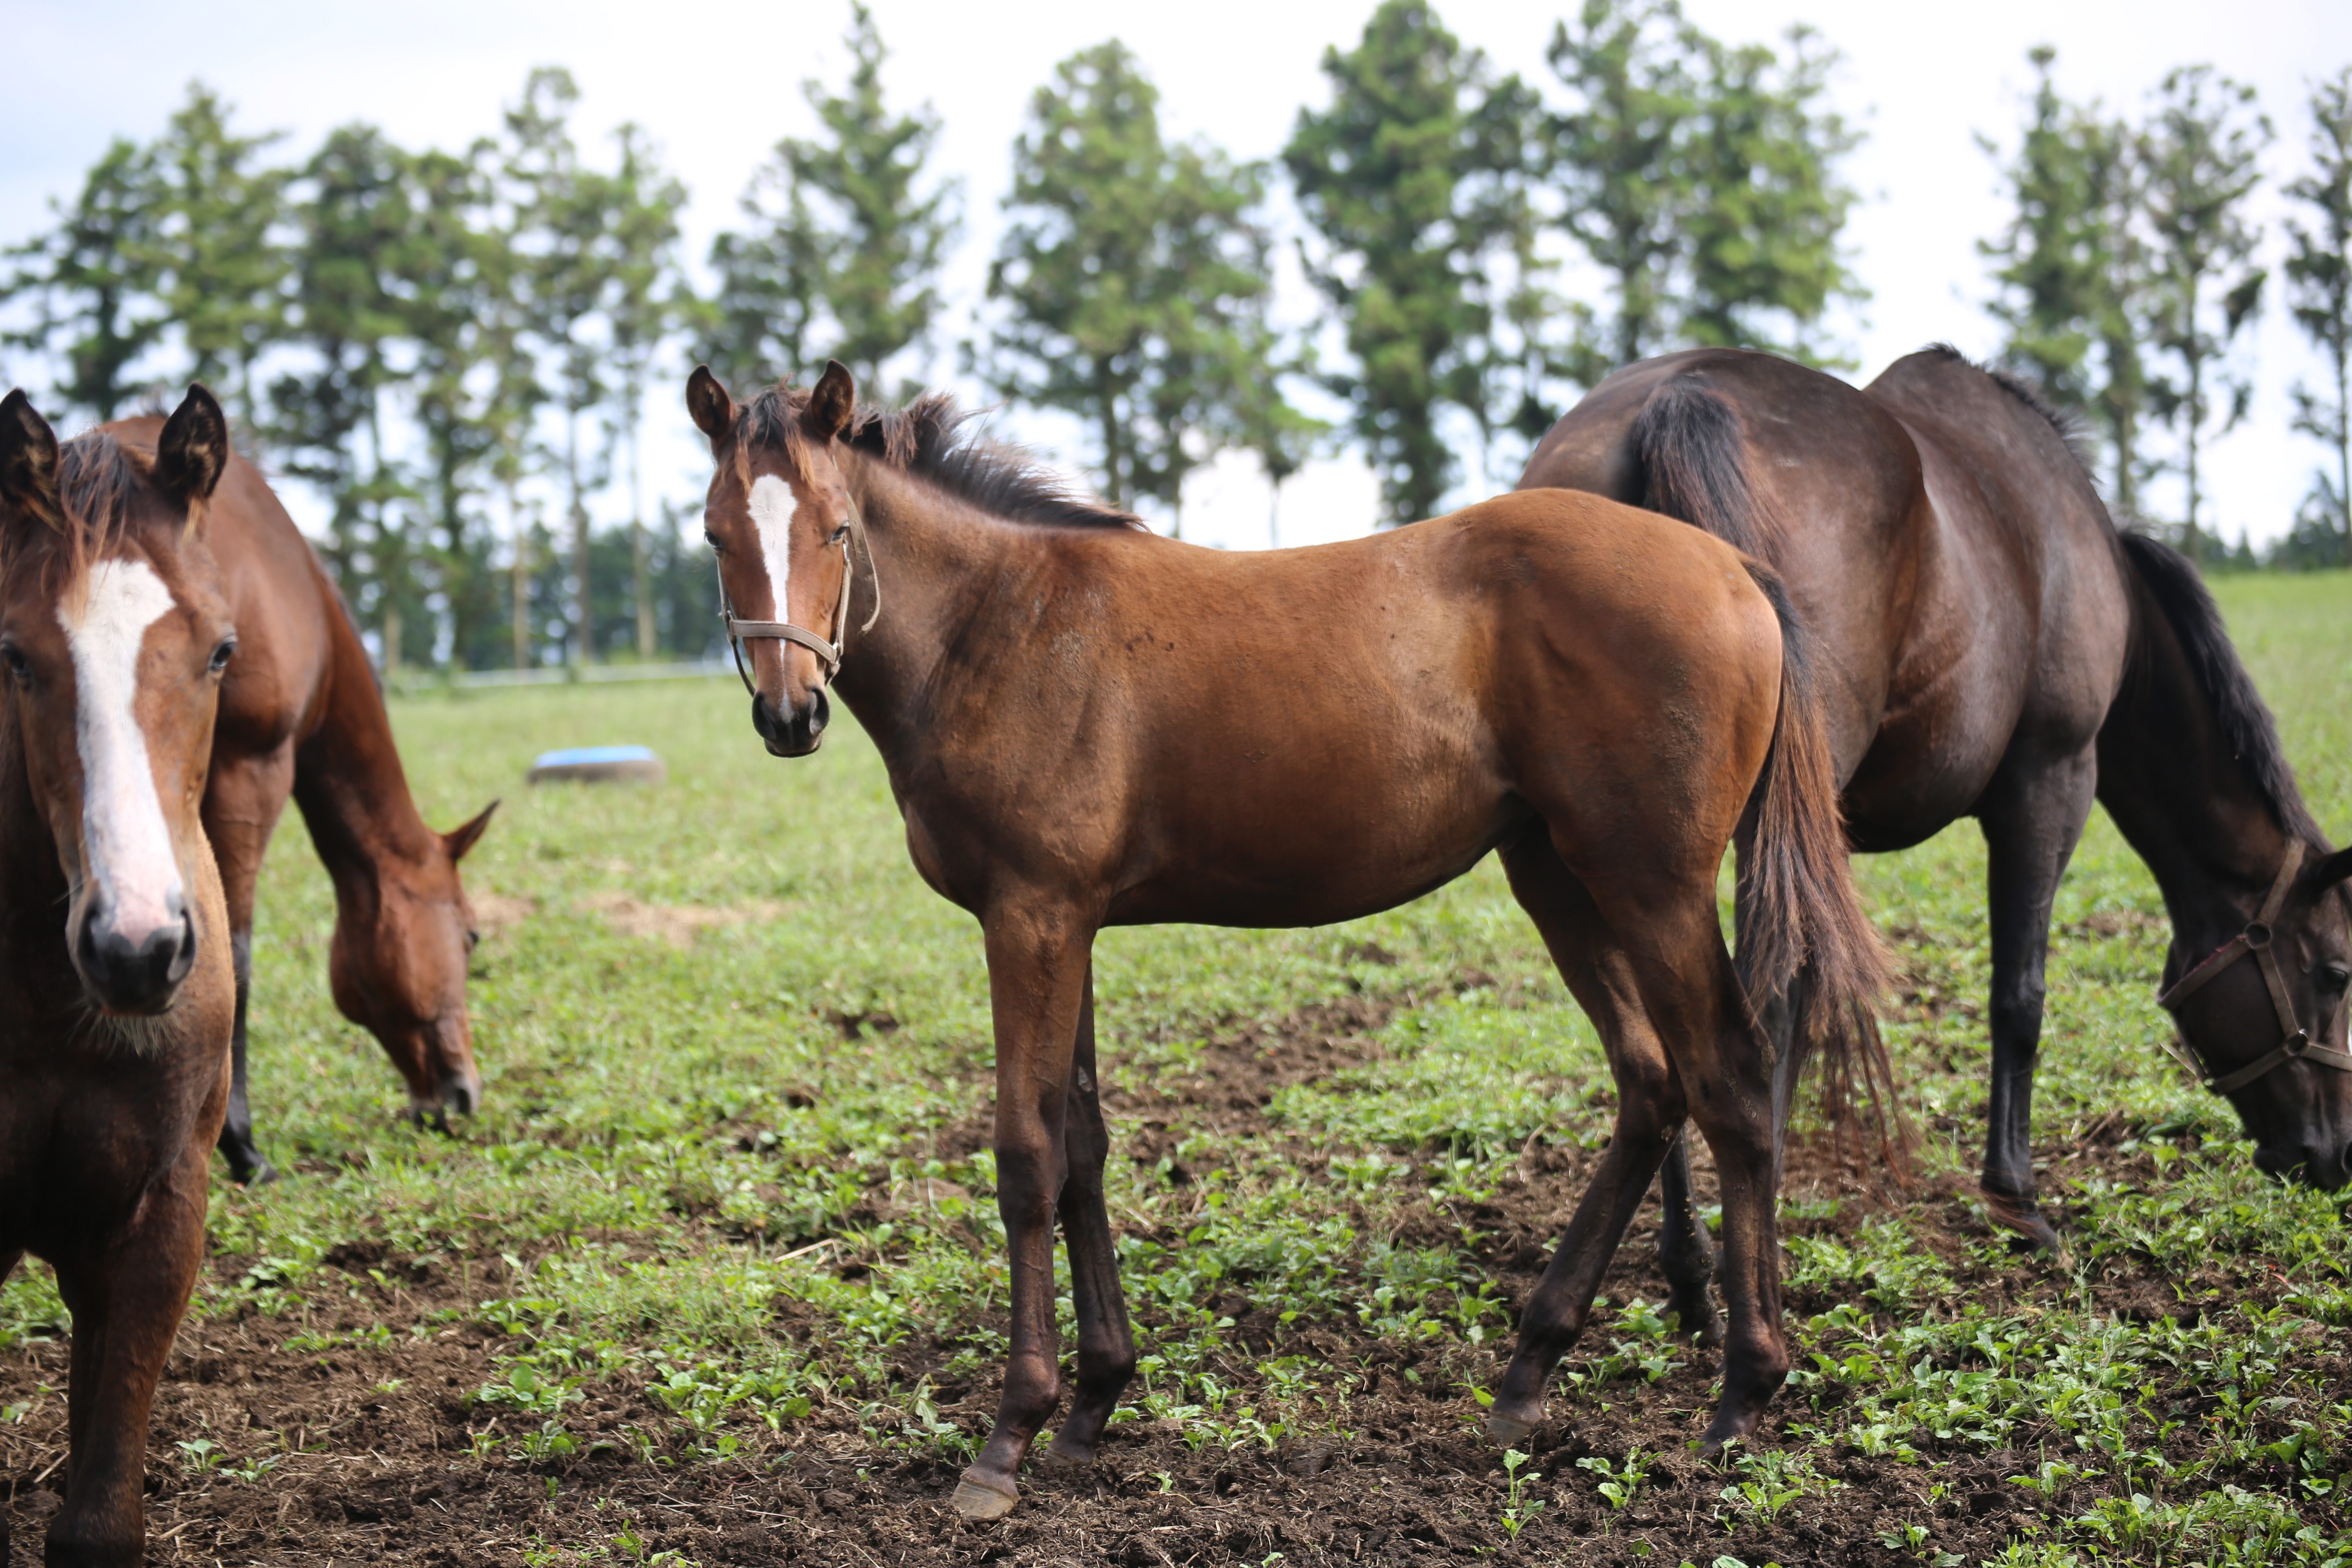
<point>566,240</point>
<point>95,279</point>
<point>2199,156</point>
<point>1404,177</point>
<point>448,272</point>
<point>1764,259</point>
<point>2319,276</point>
<point>2053,256</point>
<point>1618,153</point>
<point>1133,277</point>
<point>643,312</point>
<point>840,252</point>
<point>224,270</point>
<point>354,219</point>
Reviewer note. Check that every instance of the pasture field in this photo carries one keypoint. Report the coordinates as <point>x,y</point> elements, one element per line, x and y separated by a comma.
<point>716,1277</point>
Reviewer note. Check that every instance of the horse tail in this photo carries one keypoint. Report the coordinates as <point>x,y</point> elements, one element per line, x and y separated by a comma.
<point>1692,447</point>
<point>1799,912</point>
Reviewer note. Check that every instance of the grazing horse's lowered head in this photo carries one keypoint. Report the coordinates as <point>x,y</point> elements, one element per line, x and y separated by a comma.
<point>398,967</point>
<point>114,635</point>
<point>2261,946</point>
<point>784,531</point>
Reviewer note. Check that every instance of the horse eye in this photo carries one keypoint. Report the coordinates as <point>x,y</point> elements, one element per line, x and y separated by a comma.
<point>712,540</point>
<point>220,654</point>
<point>14,658</point>
<point>473,939</point>
<point>839,534</point>
<point>2335,977</point>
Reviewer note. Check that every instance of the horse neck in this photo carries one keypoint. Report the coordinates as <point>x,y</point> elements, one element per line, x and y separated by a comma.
<point>348,779</point>
<point>939,563</point>
<point>2181,796</point>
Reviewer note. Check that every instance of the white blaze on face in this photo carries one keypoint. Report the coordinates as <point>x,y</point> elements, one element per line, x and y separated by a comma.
<point>126,846</point>
<point>772,512</point>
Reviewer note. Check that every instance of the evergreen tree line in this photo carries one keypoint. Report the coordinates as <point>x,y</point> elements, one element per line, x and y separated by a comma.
<point>2131,269</point>
<point>456,348</point>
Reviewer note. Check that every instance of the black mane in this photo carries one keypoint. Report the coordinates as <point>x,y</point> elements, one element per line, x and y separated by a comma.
<point>2068,426</point>
<point>2245,719</point>
<point>932,440</point>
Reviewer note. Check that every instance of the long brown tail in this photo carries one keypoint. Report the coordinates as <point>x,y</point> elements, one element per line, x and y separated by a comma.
<point>1800,912</point>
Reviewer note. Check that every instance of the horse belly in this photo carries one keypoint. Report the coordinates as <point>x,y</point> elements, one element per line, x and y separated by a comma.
<point>1298,835</point>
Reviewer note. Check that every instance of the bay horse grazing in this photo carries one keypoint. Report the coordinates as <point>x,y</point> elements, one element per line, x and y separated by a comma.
<point>2002,652</point>
<point>301,714</point>
<point>116,991</point>
<point>1087,725</point>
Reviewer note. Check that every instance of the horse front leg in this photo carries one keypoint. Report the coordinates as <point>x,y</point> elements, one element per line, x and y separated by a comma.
<point>1037,970</point>
<point>1105,1338</point>
<point>126,1301</point>
<point>243,799</point>
<point>2031,821</point>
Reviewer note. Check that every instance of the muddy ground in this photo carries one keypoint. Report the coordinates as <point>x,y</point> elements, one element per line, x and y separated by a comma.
<point>379,1464</point>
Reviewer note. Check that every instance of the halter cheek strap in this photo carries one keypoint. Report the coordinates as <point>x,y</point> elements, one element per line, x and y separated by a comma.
<point>827,650</point>
<point>2296,1044</point>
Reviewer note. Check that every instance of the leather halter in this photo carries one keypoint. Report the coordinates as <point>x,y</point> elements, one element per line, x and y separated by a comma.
<point>828,651</point>
<point>2256,939</point>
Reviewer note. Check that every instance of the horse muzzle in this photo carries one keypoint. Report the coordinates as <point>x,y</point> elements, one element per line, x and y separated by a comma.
<point>2325,1168</point>
<point>794,731</point>
<point>136,972</point>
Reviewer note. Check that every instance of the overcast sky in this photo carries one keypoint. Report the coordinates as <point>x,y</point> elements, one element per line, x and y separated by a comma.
<point>717,84</point>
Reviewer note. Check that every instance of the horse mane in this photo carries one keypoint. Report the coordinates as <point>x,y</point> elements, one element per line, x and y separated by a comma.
<point>96,477</point>
<point>2247,723</point>
<point>932,440</point>
<point>2069,426</point>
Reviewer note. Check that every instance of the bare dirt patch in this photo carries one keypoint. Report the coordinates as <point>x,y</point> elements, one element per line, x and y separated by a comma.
<point>676,924</point>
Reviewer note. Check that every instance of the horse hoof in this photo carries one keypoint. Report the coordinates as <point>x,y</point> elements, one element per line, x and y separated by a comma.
<point>262,1174</point>
<point>984,1500</point>
<point>1506,1431</point>
<point>2026,1219</point>
<point>1055,1456</point>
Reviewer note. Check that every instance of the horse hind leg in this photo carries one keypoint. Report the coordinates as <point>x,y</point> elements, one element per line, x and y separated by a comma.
<point>1650,1114</point>
<point>1106,1339</point>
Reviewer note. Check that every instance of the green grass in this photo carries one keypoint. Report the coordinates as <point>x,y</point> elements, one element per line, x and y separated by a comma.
<point>737,1176</point>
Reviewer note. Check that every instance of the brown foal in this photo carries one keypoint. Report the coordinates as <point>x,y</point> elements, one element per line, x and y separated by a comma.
<point>116,991</point>
<point>301,714</point>
<point>1087,725</point>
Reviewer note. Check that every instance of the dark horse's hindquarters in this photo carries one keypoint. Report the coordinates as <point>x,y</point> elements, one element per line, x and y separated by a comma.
<point>2002,653</point>
<point>116,991</point>
<point>1087,725</point>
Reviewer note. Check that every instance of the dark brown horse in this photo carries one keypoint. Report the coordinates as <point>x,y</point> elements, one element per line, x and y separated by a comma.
<point>1086,725</point>
<point>2002,652</point>
<point>116,991</point>
<point>301,713</point>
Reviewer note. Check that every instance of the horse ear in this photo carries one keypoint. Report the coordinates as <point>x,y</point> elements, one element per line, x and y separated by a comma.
<point>707,401</point>
<point>2333,869</point>
<point>28,459</point>
<point>192,450</point>
<point>462,837</point>
<point>831,403</point>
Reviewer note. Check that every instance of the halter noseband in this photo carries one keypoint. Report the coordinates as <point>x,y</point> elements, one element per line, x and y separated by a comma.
<point>2255,938</point>
<point>828,652</point>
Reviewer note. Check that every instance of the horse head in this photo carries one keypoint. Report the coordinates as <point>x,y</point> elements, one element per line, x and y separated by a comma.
<point>780,517</point>
<point>2265,1014</point>
<point>398,968</point>
<point>114,634</point>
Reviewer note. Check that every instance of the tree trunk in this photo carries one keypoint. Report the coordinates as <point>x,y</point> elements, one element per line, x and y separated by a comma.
<point>581,627</point>
<point>638,545</point>
<point>520,575</point>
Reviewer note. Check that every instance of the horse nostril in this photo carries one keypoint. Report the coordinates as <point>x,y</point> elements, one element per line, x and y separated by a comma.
<point>820,713</point>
